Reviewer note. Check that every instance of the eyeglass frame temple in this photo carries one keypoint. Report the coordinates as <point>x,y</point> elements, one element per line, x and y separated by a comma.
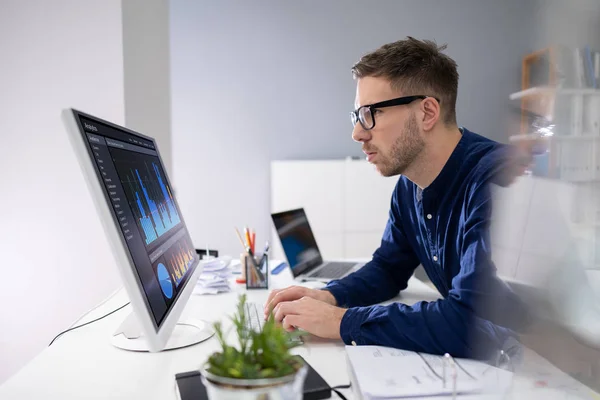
<point>388,103</point>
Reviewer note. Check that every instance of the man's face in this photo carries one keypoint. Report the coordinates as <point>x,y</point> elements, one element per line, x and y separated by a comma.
<point>395,141</point>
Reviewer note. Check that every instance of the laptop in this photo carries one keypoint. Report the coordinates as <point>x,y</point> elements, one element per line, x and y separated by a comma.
<point>302,252</point>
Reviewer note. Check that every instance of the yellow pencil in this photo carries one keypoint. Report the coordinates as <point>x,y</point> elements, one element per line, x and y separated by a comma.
<point>247,235</point>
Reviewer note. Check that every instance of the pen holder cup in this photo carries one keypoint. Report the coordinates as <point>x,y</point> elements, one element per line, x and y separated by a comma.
<point>257,271</point>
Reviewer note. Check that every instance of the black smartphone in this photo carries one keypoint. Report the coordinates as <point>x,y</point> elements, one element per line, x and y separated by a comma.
<point>191,387</point>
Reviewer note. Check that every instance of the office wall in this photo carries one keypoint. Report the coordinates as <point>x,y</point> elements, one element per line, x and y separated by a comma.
<point>55,260</point>
<point>254,82</point>
<point>571,23</point>
<point>146,71</point>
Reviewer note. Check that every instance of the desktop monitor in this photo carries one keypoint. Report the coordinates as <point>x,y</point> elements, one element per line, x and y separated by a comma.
<point>144,226</point>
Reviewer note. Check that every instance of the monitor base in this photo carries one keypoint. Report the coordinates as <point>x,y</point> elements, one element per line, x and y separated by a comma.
<point>186,333</point>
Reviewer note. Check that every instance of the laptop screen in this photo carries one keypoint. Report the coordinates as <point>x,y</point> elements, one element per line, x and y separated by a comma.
<point>297,240</point>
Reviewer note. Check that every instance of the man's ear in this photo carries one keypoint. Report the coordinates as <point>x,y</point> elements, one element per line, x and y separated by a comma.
<point>431,113</point>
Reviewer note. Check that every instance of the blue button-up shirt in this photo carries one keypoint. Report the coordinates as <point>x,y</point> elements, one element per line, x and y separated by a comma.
<point>444,227</point>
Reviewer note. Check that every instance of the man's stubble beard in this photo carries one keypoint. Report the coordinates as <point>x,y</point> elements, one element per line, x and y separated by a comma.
<point>405,150</point>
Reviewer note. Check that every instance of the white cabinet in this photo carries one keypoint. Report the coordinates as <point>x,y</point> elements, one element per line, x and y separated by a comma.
<point>317,186</point>
<point>346,202</point>
<point>367,197</point>
<point>360,245</point>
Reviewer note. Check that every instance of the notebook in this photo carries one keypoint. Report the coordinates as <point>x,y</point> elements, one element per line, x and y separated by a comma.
<point>379,373</point>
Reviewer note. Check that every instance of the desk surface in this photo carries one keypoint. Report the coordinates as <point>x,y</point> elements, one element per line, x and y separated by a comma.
<point>84,365</point>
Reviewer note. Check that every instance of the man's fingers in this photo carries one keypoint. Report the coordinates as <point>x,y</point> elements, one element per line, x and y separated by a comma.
<point>270,298</point>
<point>271,303</point>
<point>286,308</point>
<point>291,322</point>
<point>290,294</point>
<point>281,310</point>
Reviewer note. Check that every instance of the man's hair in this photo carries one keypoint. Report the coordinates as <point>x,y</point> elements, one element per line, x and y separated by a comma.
<point>415,67</point>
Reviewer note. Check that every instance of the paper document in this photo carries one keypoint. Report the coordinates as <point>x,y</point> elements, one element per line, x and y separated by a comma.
<point>215,276</point>
<point>386,373</point>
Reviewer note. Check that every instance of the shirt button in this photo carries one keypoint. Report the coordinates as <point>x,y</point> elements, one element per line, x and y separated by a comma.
<point>435,258</point>
<point>429,216</point>
<point>353,343</point>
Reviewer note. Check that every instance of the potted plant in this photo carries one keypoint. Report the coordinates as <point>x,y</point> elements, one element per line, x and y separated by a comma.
<point>259,366</point>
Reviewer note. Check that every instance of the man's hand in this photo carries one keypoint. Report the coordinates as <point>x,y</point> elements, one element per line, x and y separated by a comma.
<point>295,293</point>
<point>314,316</point>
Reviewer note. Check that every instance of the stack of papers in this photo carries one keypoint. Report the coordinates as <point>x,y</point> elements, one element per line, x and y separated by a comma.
<point>215,277</point>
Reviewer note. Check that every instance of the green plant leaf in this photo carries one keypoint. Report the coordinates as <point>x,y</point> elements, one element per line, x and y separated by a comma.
<point>264,354</point>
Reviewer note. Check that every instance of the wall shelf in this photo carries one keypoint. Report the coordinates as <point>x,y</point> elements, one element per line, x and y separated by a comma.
<point>565,138</point>
<point>544,91</point>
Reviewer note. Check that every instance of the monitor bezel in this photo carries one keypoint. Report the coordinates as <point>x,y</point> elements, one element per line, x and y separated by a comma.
<point>156,335</point>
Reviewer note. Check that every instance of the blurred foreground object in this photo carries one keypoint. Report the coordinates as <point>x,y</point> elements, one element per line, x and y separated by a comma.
<point>546,245</point>
<point>546,221</point>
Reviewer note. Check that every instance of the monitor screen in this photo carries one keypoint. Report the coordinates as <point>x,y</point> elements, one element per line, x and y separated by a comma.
<point>141,197</point>
<point>297,240</point>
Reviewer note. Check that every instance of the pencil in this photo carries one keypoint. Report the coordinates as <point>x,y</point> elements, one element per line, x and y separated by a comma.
<point>253,241</point>
<point>240,237</point>
<point>247,234</point>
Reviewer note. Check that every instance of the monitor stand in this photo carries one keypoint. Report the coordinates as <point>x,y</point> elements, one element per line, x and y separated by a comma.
<point>186,333</point>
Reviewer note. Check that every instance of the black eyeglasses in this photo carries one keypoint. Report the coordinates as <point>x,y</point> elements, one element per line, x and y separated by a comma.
<point>365,114</point>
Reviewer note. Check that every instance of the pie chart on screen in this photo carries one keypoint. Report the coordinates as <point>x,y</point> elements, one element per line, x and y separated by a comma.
<point>164,280</point>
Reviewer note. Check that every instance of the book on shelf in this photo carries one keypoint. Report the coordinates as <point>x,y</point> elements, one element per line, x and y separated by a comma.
<point>576,68</point>
<point>590,78</point>
<point>587,68</point>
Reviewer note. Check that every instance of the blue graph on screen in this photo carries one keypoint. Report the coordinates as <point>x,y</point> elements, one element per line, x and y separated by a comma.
<point>161,215</point>
<point>154,207</point>
<point>157,213</point>
<point>148,193</point>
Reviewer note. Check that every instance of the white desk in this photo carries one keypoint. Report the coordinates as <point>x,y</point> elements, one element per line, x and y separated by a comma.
<point>83,364</point>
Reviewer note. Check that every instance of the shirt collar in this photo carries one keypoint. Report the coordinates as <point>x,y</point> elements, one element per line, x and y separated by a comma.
<point>448,172</point>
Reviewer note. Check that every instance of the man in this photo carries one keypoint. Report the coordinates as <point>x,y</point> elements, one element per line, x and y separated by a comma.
<point>405,120</point>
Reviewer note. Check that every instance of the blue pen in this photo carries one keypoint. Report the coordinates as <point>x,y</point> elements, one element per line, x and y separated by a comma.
<point>266,249</point>
<point>279,268</point>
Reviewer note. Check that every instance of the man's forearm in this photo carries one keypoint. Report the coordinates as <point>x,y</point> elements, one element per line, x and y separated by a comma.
<point>437,327</point>
<point>371,284</point>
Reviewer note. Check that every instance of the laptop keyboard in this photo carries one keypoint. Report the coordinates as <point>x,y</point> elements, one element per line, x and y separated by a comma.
<point>332,270</point>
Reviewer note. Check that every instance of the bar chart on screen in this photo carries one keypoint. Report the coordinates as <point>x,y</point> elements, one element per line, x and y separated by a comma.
<point>180,261</point>
<point>148,193</point>
<point>172,266</point>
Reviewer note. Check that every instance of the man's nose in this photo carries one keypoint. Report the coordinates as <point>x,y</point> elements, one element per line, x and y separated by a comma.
<point>359,134</point>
